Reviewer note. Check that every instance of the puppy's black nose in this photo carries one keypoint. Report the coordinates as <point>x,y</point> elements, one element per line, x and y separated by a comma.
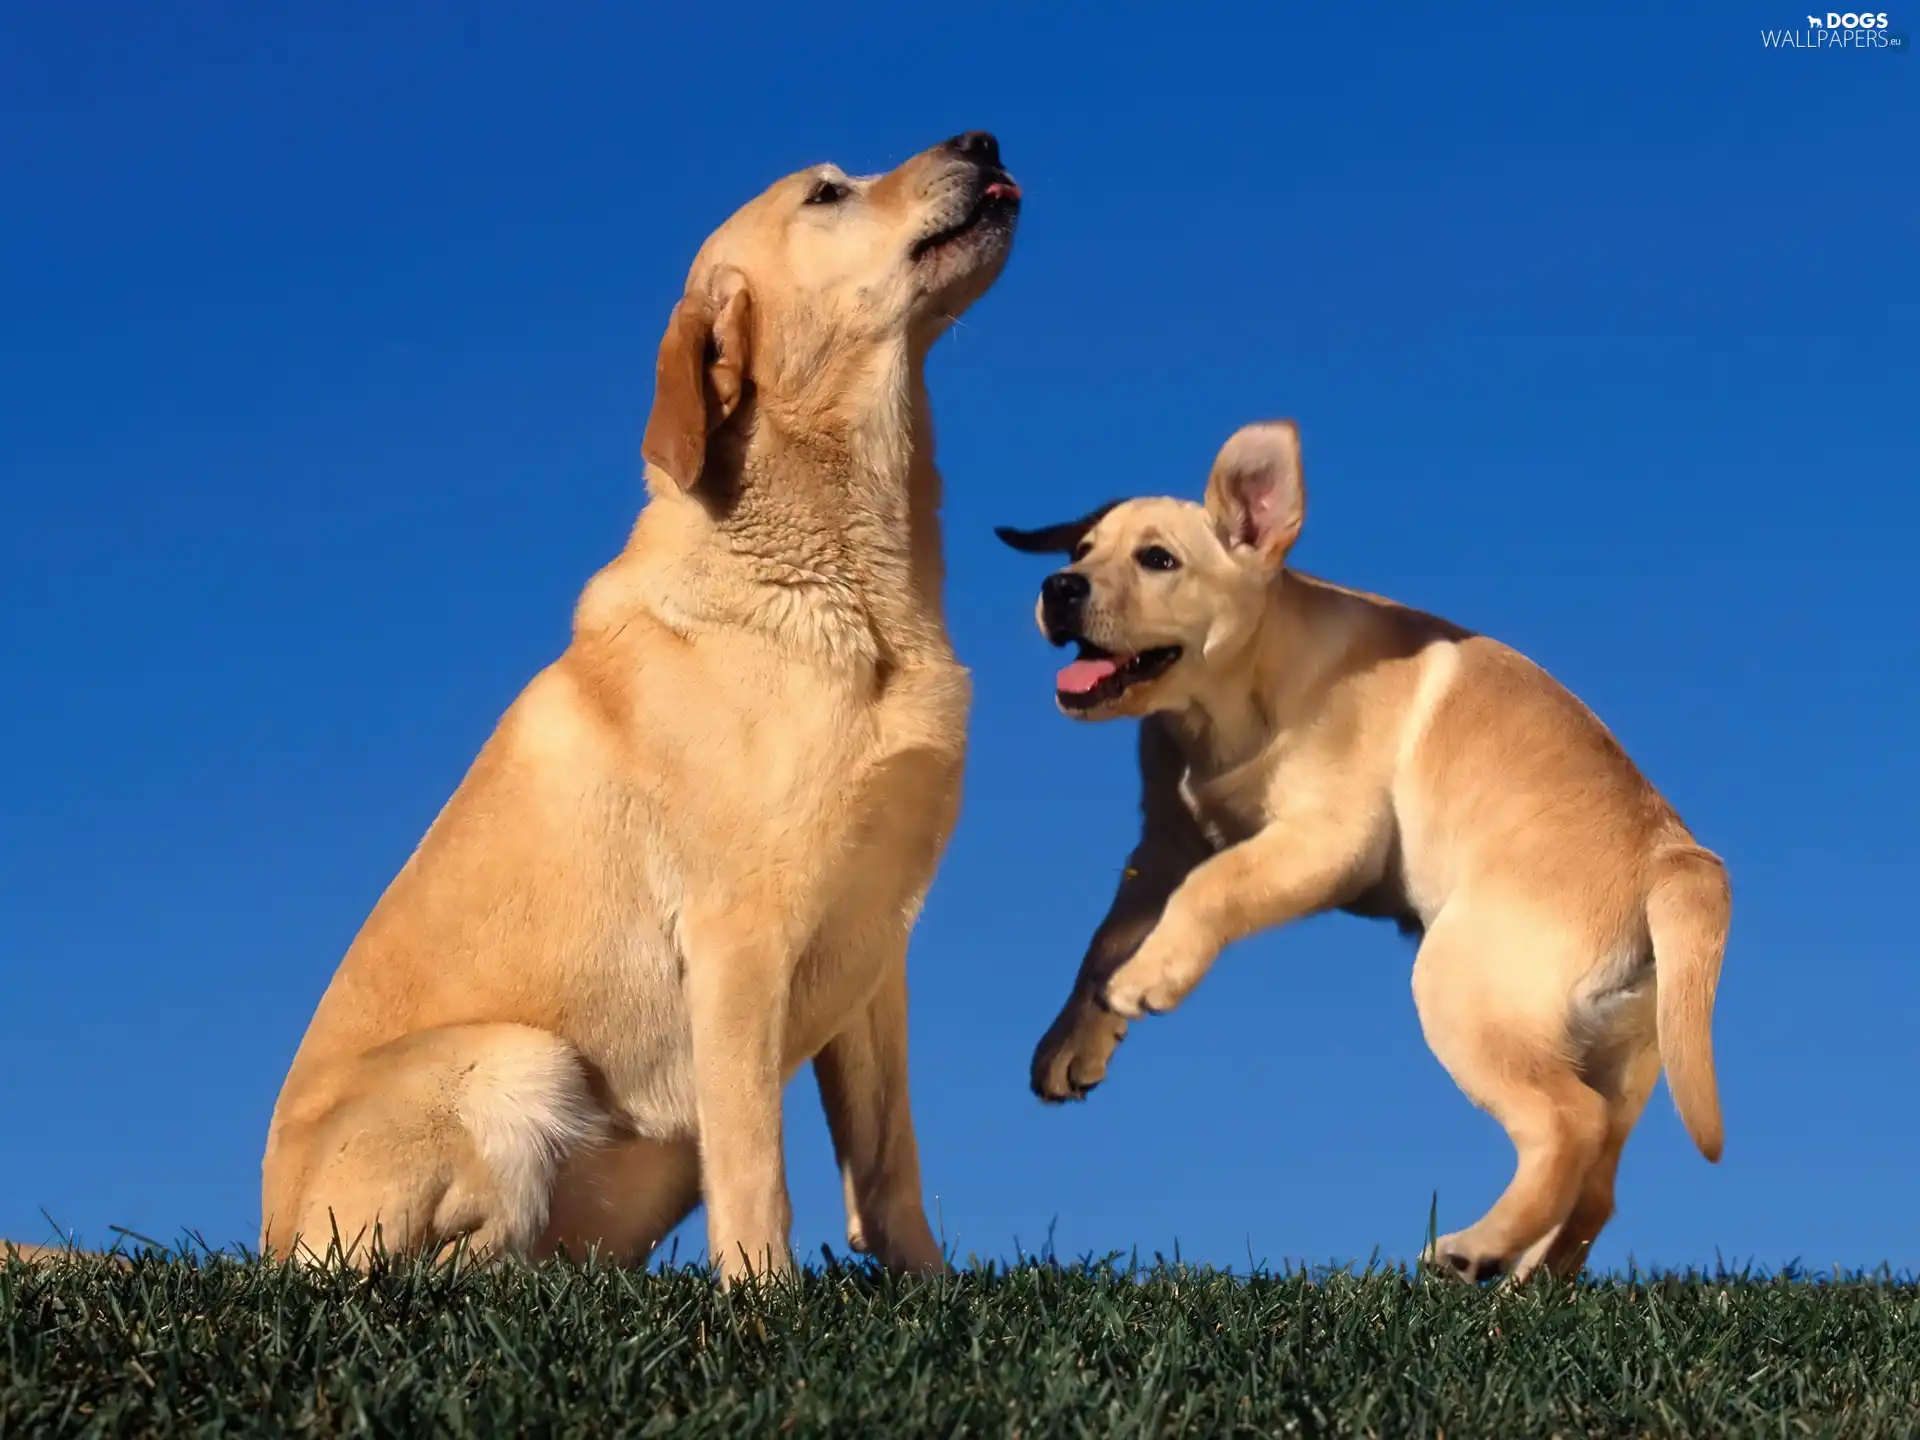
<point>1062,597</point>
<point>978,146</point>
<point>1065,589</point>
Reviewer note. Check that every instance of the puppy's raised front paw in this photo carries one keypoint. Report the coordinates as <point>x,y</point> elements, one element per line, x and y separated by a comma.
<point>1162,973</point>
<point>1148,984</point>
<point>1131,998</point>
<point>1072,1057</point>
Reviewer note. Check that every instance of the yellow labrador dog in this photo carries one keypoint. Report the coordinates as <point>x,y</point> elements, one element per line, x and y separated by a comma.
<point>688,859</point>
<point>1310,748</point>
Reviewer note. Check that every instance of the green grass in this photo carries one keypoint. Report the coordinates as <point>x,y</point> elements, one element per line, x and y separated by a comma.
<point>197,1345</point>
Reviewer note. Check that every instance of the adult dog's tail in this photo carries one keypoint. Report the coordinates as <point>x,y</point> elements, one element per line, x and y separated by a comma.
<point>1688,909</point>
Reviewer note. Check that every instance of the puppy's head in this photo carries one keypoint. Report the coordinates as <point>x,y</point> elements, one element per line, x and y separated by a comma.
<point>812,296</point>
<point>1161,593</point>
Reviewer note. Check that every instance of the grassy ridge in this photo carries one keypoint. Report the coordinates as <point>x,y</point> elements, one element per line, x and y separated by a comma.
<point>177,1347</point>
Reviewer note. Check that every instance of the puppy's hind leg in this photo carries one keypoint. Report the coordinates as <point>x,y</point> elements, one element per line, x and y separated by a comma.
<point>1495,1016</point>
<point>1565,1252</point>
<point>450,1134</point>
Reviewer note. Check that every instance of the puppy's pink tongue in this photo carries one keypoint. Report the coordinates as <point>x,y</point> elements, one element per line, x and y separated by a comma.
<point>1082,675</point>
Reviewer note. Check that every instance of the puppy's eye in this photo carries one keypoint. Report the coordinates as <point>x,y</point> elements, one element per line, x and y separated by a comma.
<point>1082,550</point>
<point>1152,557</point>
<point>826,192</point>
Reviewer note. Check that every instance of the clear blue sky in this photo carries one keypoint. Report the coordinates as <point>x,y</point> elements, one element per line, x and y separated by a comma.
<point>327,345</point>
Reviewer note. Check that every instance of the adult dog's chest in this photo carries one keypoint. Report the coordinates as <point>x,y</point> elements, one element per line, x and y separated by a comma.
<point>909,769</point>
<point>897,736</point>
<point>894,810</point>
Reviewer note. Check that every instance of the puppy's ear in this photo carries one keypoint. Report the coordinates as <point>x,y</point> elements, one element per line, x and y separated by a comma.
<point>1061,539</point>
<point>1257,493</point>
<point>700,377</point>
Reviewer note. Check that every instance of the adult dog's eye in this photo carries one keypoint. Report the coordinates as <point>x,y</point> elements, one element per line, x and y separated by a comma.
<point>827,192</point>
<point>1082,550</point>
<point>1152,557</point>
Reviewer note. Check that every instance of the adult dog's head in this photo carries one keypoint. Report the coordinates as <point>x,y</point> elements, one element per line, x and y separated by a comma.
<point>1160,593</point>
<point>815,303</point>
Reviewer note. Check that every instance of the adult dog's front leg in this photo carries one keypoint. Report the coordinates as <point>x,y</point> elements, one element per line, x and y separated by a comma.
<point>862,1074</point>
<point>1285,872</point>
<point>739,971</point>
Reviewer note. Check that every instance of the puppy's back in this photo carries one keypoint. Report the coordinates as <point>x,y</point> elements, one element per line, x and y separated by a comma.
<point>1522,779</point>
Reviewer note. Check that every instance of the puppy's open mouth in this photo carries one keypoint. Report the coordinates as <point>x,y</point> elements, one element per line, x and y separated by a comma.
<point>1099,676</point>
<point>997,203</point>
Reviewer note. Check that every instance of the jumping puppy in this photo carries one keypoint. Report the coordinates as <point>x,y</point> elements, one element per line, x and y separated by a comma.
<point>1310,748</point>
<point>688,860</point>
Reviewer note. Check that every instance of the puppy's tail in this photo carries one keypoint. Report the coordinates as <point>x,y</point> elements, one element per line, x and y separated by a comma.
<point>1688,910</point>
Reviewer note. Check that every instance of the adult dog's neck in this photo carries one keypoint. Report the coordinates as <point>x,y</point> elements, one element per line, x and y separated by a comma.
<point>818,518</point>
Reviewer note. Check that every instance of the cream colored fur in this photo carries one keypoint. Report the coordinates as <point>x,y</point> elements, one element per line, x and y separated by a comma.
<point>1313,748</point>
<point>687,862</point>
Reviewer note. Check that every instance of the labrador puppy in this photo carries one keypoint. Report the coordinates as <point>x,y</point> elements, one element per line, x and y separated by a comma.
<point>688,860</point>
<point>1309,748</point>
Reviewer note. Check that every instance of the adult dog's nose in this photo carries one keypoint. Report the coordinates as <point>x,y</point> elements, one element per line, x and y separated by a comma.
<point>1062,596</point>
<point>978,146</point>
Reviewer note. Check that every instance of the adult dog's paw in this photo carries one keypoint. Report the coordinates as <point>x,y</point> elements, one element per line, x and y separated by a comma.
<point>1072,1056</point>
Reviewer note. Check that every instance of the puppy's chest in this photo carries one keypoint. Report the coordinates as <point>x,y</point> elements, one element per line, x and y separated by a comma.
<point>1228,808</point>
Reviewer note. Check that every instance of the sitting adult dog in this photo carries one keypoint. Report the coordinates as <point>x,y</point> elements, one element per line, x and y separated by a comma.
<point>1310,748</point>
<point>688,860</point>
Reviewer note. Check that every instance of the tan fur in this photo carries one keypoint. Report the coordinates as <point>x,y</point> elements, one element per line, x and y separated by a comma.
<point>688,860</point>
<point>1314,748</point>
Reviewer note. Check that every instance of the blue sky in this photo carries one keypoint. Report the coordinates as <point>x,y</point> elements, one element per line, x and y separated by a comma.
<point>328,345</point>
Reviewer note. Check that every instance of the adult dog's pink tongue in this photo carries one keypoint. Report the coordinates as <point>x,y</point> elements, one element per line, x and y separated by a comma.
<point>1082,675</point>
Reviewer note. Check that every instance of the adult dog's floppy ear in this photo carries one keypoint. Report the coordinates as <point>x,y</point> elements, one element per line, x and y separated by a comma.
<point>1257,493</point>
<point>1061,539</point>
<point>700,377</point>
